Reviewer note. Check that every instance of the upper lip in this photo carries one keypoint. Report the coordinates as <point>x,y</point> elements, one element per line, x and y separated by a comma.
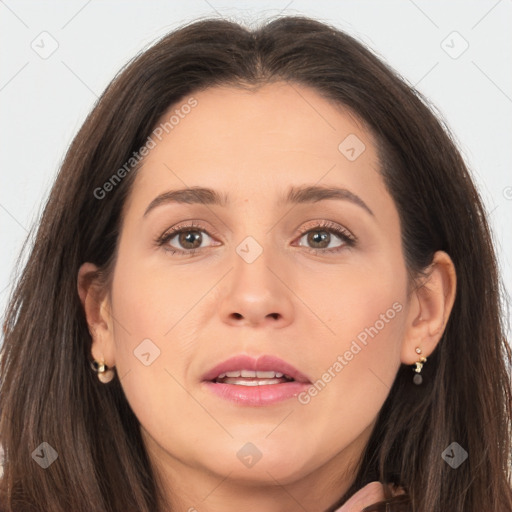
<point>262,363</point>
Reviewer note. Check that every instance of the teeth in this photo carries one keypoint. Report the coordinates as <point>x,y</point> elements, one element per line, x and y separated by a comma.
<point>243,382</point>
<point>266,375</point>
<point>252,374</point>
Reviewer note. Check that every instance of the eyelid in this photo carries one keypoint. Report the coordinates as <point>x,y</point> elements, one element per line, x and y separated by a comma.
<point>326,224</point>
<point>192,226</point>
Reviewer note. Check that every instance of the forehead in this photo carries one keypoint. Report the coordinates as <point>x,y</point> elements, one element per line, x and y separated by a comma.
<point>276,117</point>
<point>255,141</point>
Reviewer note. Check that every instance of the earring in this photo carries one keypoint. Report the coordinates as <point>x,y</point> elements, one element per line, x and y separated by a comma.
<point>105,374</point>
<point>418,379</point>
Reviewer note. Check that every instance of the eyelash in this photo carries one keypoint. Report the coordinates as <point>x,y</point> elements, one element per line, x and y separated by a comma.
<point>348,239</point>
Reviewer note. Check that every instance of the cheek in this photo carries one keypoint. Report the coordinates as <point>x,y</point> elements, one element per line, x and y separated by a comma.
<point>153,301</point>
<point>358,302</point>
<point>146,310</point>
<point>359,354</point>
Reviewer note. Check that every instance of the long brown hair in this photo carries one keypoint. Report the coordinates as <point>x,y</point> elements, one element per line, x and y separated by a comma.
<point>48,392</point>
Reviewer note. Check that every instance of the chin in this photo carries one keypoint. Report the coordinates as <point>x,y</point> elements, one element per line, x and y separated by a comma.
<point>259,461</point>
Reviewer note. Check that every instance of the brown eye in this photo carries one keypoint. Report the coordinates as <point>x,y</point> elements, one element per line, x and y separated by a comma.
<point>319,239</point>
<point>327,238</point>
<point>187,239</point>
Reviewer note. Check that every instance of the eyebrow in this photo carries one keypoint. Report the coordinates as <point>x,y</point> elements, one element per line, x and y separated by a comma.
<point>295,195</point>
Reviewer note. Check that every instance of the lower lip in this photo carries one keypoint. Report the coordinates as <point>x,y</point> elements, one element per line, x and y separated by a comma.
<point>266,394</point>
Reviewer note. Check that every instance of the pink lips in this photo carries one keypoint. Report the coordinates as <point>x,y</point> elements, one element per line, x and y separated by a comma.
<point>259,395</point>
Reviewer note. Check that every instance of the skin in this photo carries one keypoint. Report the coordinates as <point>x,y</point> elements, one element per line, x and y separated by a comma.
<point>303,307</point>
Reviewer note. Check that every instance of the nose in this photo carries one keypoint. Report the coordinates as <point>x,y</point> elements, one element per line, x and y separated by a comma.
<point>257,294</point>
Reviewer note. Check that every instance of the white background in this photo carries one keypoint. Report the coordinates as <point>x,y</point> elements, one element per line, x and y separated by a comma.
<point>43,101</point>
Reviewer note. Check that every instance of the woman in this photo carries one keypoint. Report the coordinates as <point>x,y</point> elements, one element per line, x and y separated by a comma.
<point>264,280</point>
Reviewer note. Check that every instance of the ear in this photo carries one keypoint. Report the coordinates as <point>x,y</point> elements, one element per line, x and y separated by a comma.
<point>96,303</point>
<point>430,307</point>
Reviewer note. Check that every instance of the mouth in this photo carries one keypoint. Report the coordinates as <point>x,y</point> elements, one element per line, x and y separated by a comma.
<point>253,378</point>
<point>255,382</point>
<point>244,370</point>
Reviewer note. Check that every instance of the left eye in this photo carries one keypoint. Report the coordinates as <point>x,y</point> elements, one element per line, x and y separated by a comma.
<point>189,240</point>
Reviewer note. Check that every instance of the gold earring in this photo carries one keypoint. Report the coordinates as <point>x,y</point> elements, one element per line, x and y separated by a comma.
<point>418,379</point>
<point>105,374</point>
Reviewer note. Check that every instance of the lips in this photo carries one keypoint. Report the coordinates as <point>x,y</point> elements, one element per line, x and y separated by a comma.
<point>283,371</point>
<point>244,381</point>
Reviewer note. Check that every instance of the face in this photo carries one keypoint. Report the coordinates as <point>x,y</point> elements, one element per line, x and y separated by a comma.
<point>316,279</point>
